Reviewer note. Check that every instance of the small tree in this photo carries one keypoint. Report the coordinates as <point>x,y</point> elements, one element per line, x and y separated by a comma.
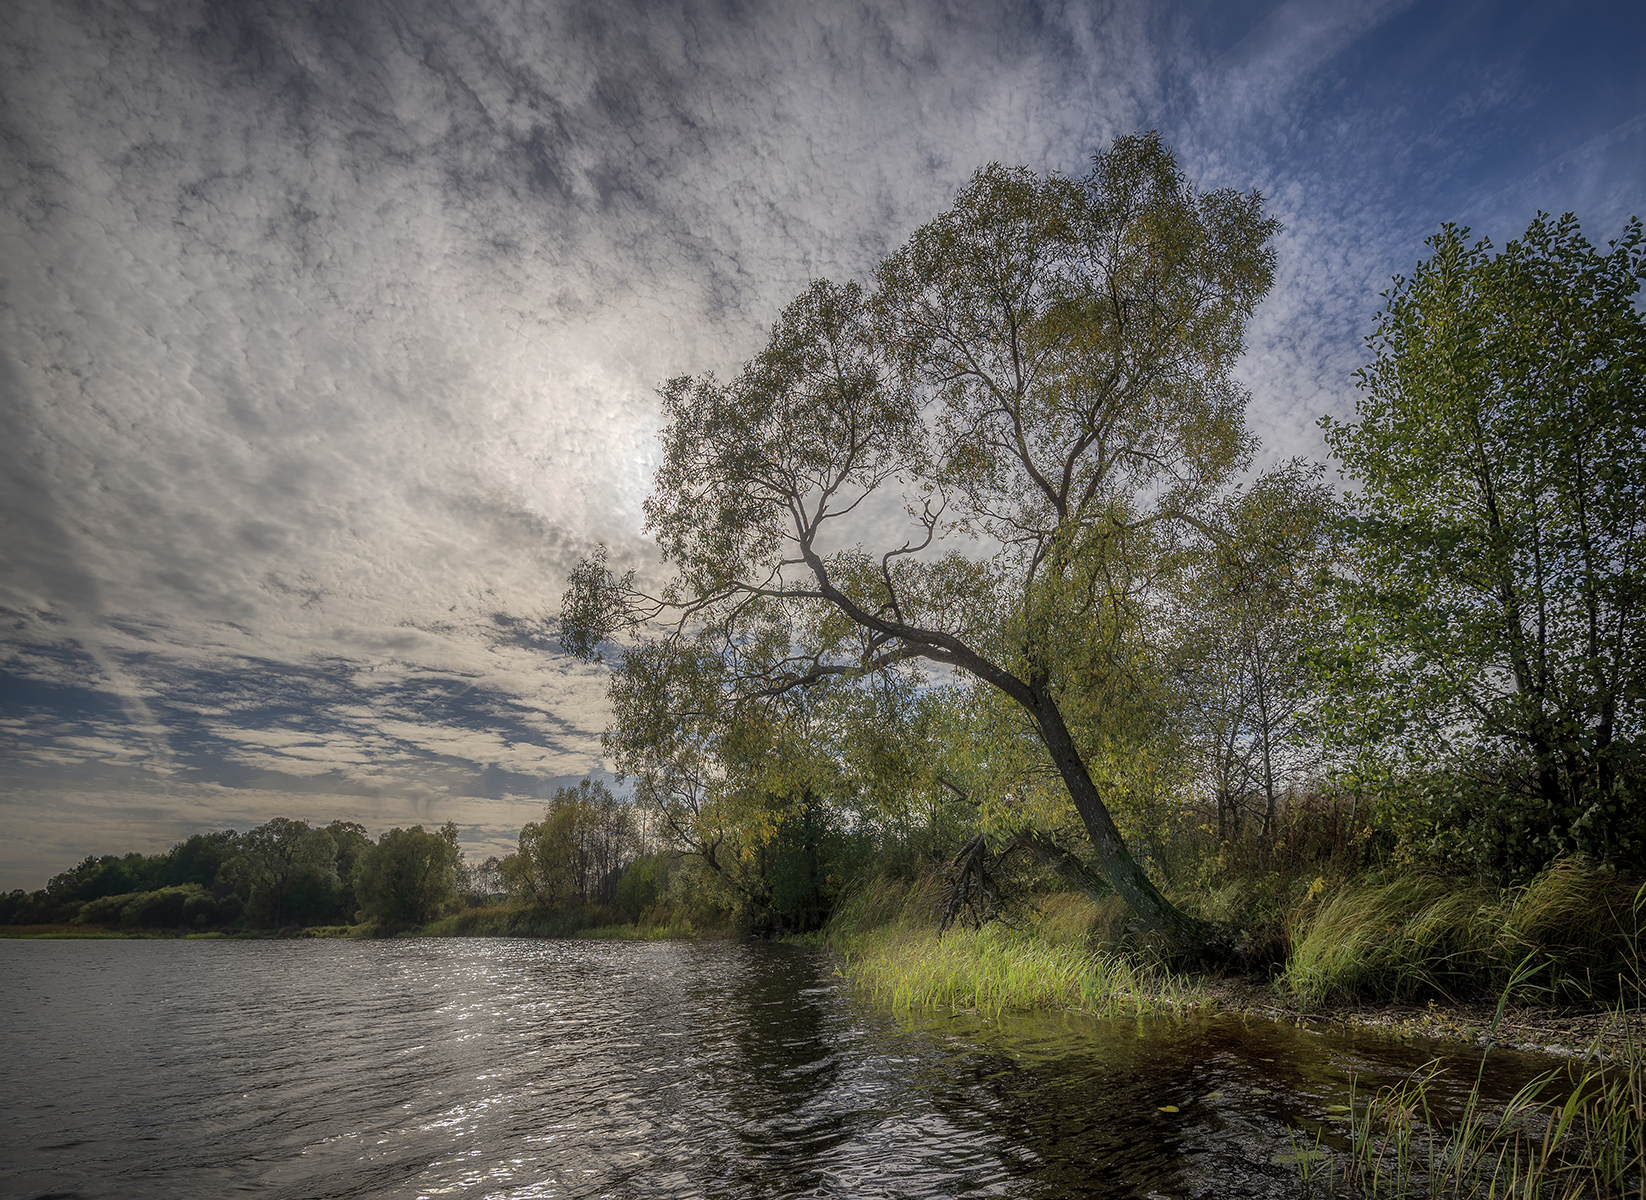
<point>1498,544</point>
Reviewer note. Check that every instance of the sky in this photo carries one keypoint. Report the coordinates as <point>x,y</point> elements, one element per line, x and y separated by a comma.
<point>330,333</point>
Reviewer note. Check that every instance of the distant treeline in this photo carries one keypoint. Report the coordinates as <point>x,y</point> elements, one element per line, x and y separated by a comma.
<point>586,852</point>
<point>281,873</point>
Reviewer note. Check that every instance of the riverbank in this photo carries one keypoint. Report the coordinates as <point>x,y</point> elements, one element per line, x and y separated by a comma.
<point>1552,967</point>
<point>1392,966</point>
<point>1571,1032</point>
<point>494,921</point>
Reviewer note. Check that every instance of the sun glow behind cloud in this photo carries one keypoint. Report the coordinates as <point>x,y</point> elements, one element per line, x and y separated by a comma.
<point>328,342</point>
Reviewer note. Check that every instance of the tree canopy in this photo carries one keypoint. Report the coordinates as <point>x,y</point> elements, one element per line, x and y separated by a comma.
<point>1498,542</point>
<point>409,875</point>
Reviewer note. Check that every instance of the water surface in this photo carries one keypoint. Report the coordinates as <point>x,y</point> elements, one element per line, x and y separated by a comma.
<point>526,1068</point>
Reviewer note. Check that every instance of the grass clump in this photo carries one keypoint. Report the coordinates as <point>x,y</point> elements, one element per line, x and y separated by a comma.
<point>887,934</point>
<point>1569,934</point>
<point>995,969</point>
<point>1400,939</point>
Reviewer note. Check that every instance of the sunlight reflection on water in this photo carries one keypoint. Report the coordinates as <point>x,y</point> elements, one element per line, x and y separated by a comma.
<point>582,1068</point>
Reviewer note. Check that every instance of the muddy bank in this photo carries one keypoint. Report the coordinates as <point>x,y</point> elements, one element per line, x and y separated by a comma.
<point>1569,1032</point>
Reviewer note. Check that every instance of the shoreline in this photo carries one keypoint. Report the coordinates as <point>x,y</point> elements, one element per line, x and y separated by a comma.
<point>1536,1029</point>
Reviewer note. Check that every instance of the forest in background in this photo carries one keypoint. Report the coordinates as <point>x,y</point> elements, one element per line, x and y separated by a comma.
<point>1249,720</point>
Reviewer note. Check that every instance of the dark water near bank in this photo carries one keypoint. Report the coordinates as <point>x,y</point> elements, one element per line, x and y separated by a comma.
<point>575,1068</point>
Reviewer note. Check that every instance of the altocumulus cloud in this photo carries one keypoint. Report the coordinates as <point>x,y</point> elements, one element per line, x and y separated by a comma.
<point>329,335</point>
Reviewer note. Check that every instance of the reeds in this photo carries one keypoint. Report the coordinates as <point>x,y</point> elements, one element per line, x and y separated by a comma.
<point>1589,1141</point>
<point>1587,1145</point>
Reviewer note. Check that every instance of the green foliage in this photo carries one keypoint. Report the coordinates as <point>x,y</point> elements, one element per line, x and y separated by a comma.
<point>1042,377</point>
<point>284,872</point>
<point>185,906</point>
<point>1497,602</point>
<point>1412,937</point>
<point>408,877</point>
<point>1475,813</point>
<point>644,884</point>
<point>352,842</point>
<point>279,874</point>
<point>105,910</point>
<point>196,859</point>
<point>577,852</point>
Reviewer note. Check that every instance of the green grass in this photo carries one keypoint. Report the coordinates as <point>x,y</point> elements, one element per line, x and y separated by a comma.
<point>994,969</point>
<point>1571,934</point>
<point>886,934</point>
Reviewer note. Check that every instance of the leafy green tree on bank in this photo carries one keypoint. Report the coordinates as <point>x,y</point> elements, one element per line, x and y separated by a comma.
<point>408,877</point>
<point>1043,377</point>
<point>1497,622</point>
<point>283,870</point>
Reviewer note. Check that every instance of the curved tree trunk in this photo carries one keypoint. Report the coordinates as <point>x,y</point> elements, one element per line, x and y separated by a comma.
<point>1184,934</point>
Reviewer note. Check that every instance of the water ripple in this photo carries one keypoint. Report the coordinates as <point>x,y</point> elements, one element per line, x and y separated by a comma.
<point>505,1068</point>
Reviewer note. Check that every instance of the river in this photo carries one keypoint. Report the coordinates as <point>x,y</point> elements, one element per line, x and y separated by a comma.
<point>526,1068</point>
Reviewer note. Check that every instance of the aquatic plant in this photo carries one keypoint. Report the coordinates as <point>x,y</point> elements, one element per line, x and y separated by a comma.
<point>1563,1136</point>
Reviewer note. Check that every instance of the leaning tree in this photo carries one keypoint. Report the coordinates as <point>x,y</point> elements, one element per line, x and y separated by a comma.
<point>957,466</point>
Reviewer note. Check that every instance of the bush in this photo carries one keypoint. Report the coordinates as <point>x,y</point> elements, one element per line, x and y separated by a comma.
<point>164,908</point>
<point>105,910</point>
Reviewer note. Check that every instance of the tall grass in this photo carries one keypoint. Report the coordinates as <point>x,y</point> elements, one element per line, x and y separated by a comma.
<point>1394,940</point>
<point>1414,936</point>
<point>1586,1145</point>
<point>1587,1142</point>
<point>887,936</point>
<point>995,969</point>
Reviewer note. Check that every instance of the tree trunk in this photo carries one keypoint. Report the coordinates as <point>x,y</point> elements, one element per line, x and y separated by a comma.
<point>1070,867</point>
<point>1184,934</point>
